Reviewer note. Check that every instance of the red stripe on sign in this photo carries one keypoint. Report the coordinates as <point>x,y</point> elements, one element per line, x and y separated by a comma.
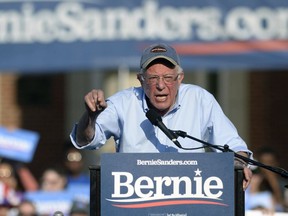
<point>166,203</point>
<point>236,47</point>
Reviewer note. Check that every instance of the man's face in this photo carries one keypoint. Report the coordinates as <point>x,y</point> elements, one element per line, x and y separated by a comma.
<point>160,85</point>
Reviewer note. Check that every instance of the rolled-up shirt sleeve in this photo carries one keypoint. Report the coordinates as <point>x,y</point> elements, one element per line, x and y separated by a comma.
<point>96,143</point>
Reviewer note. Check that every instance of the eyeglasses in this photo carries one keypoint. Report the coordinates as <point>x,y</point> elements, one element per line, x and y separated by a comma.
<point>154,79</point>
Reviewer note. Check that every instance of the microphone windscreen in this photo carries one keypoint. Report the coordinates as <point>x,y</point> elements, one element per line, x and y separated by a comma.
<point>153,116</point>
<point>58,213</point>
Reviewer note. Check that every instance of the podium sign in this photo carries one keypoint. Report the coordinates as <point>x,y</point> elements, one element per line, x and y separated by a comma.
<point>167,184</point>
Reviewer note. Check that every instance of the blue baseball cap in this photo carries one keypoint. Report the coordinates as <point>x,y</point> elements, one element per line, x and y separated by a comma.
<point>157,51</point>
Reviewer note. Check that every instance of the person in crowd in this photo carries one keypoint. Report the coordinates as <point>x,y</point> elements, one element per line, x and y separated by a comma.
<point>23,178</point>
<point>10,195</point>
<point>258,195</point>
<point>53,194</point>
<point>53,179</point>
<point>185,107</point>
<point>74,165</point>
<point>79,208</point>
<point>27,208</point>
<point>5,209</point>
<point>7,175</point>
<point>276,184</point>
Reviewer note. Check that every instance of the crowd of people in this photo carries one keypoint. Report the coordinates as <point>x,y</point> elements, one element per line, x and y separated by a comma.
<point>63,187</point>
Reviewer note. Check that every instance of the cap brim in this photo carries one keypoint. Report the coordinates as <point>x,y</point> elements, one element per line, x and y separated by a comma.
<point>157,57</point>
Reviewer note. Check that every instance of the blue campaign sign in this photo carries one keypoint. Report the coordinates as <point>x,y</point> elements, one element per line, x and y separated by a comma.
<point>49,202</point>
<point>49,36</point>
<point>167,184</point>
<point>18,144</point>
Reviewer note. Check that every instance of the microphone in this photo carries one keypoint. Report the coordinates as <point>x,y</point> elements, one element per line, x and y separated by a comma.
<point>58,213</point>
<point>156,120</point>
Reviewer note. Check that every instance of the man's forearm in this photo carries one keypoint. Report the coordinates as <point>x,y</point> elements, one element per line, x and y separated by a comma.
<point>85,130</point>
<point>238,162</point>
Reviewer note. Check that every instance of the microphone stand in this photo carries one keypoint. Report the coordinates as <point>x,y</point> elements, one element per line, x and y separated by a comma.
<point>278,170</point>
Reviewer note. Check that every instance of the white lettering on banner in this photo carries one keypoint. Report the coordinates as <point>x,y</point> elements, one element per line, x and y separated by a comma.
<point>171,162</point>
<point>126,186</point>
<point>71,21</point>
<point>263,23</point>
<point>12,143</point>
<point>45,207</point>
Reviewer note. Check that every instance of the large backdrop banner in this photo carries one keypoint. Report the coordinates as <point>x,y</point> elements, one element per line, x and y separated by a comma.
<point>51,35</point>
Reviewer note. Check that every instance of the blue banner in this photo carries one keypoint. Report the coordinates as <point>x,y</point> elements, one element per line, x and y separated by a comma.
<point>18,144</point>
<point>167,184</point>
<point>50,36</point>
<point>47,203</point>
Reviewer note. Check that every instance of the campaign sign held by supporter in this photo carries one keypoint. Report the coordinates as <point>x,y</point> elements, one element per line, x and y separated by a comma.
<point>49,202</point>
<point>146,184</point>
<point>18,144</point>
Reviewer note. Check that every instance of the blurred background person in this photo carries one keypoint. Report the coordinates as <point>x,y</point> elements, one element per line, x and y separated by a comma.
<point>22,179</point>
<point>10,195</point>
<point>79,208</point>
<point>5,209</point>
<point>51,195</point>
<point>27,208</point>
<point>268,156</point>
<point>7,175</point>
<point>74,165</point>
<point>53,179</point>
<point>258,195</point>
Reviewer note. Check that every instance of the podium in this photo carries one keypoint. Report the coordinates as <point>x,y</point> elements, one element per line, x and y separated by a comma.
<point>205,162</point>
